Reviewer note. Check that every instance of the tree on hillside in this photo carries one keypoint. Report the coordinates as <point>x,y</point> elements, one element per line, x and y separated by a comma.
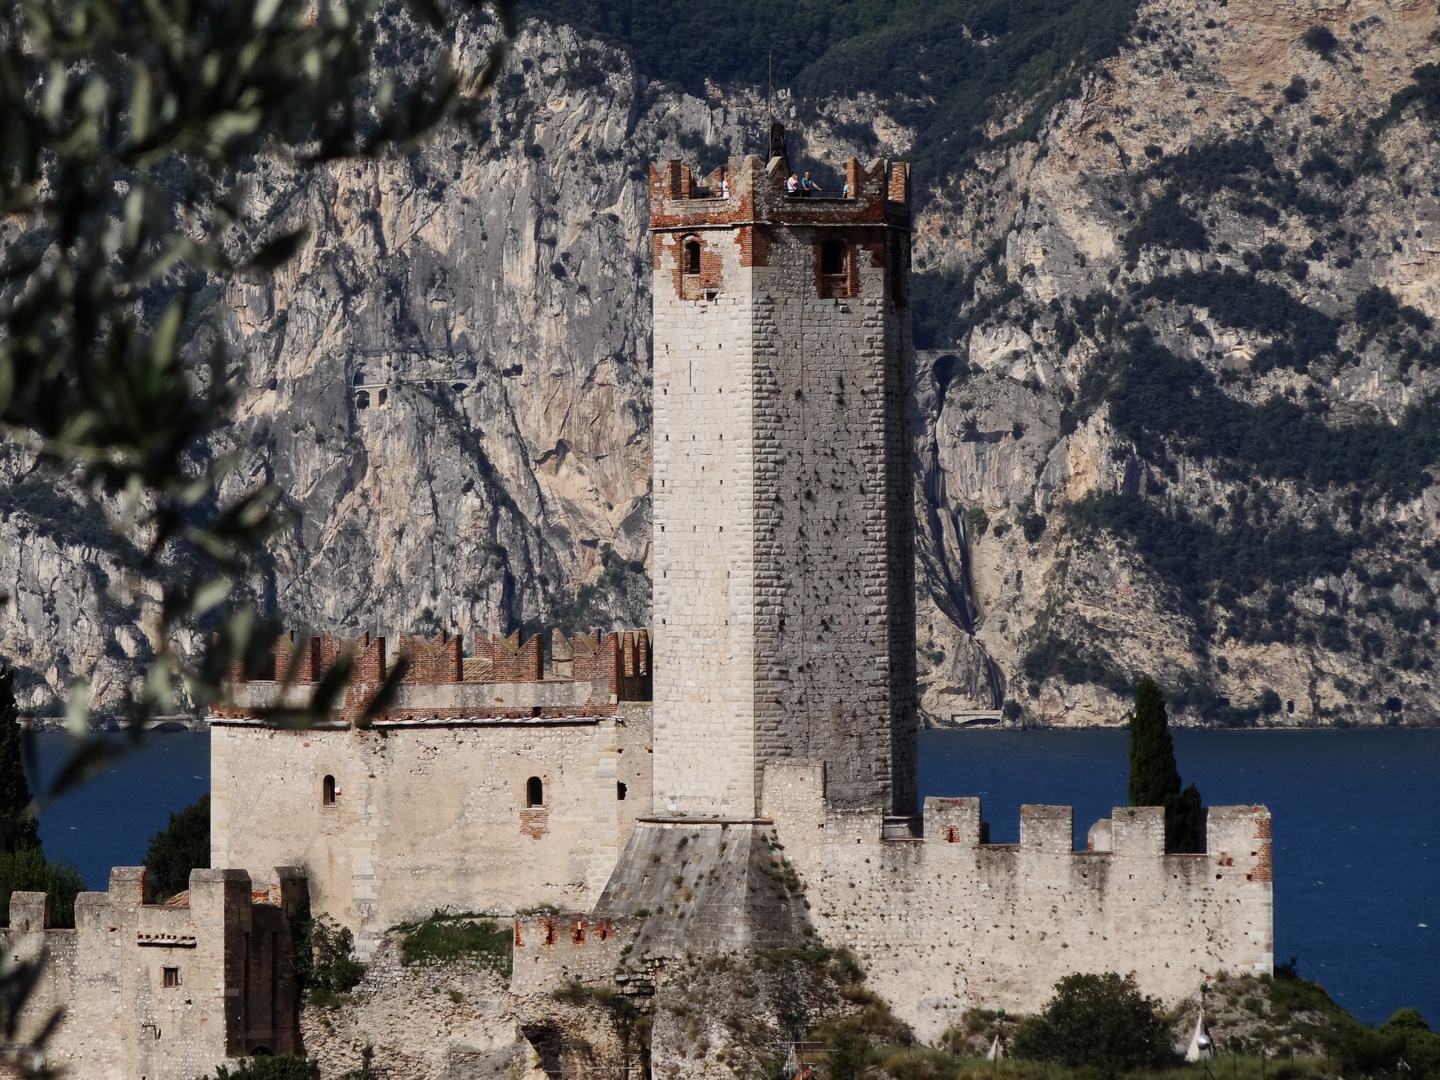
<point>1097,1022</point>
<point>1154,776</point>
<point>180,847</point>
<point>18,828</point>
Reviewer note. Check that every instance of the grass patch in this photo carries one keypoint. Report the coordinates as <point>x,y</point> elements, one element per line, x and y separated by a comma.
<point>445,938</point>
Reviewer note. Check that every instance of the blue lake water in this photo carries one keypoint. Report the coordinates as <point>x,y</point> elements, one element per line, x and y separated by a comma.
<point>1357,827</point>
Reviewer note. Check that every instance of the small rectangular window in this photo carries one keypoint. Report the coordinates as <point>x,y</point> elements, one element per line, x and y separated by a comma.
<point>834,269</point>
<point>171,976</point>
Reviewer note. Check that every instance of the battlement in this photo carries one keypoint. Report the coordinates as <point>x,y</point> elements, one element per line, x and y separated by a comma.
<point>199,979</point>
<point>1237,837</point>
<point>552,951</point>
<point>878,195</point>
<point>589,675</point>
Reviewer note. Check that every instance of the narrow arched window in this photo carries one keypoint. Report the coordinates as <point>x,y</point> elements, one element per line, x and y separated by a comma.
<point>362,399</point>
<point>692,256</point>
<point>534,792</point>
<point>832,257</point>
<point>327,791</point>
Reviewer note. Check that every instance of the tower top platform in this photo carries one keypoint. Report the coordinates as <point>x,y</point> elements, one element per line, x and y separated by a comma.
<point>679,201</point>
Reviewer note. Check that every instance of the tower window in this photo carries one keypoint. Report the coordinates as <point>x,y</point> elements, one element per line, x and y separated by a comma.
<point>170,976</point>
<point>327,791</point>
<point>362,399</point>
<point>534,792</point>
<point>692,256</point>
<point>620,792</point>
<point>835,269</point>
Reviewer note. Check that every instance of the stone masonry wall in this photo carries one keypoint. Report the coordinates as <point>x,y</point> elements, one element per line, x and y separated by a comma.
<point>432,814</point>
<point>784,528</point>
<point>162,991</point>
<point>946,923</point>
<point>553,950</point>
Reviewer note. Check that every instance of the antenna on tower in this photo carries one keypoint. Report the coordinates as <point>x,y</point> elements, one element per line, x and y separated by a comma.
<point>770,89</point>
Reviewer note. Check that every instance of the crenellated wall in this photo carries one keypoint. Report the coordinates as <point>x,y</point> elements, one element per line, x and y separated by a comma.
<point>553,950</point>
<point>163,991</point>
<point>948,921</point>
<point>432,812</point>
<point>503,678</point>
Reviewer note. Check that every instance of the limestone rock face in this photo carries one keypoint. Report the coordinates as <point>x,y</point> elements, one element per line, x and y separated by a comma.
<point>1073,607</point>
<point>452,380</point>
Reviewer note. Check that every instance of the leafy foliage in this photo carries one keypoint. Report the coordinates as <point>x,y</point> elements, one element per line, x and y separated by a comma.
<point>1195,557</point>
<point>1153,775</point>
<point>1320,39</point>
<point>18,828</point>
<point>447,938</point>
<point>1073,662</point>
<point>1101,1022</point>
<point>125,130</point>
<point>180,847</point>
<point>1402,1046</point>
<point>266,1067</point>
<point>324,964</point>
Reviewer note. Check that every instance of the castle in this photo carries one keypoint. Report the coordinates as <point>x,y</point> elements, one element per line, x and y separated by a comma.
<point>770,722</point>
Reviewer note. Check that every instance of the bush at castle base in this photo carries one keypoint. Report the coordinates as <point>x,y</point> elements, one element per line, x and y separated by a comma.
<point>1404,1044</point>
<point>283,1067</point>
<point>1099,1022</point>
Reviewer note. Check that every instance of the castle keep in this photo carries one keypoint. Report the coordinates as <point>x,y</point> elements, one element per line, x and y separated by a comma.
<point>768,793</point>
<point>784,533</point>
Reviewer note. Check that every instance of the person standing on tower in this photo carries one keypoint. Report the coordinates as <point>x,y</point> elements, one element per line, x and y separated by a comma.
<point>792,185</point>
<point>808,187</point>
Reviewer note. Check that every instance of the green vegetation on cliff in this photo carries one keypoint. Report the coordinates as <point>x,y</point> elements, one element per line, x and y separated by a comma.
<point>942,67</point>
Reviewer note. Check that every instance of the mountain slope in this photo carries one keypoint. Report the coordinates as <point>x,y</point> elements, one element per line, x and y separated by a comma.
<point>1174,401</point>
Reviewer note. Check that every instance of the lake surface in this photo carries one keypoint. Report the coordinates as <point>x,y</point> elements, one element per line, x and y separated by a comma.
<point>1357,827</point>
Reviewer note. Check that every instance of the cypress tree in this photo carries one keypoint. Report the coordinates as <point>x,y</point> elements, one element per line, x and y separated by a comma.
<point>1154,777</point>
<point>17,824</point>
<point>182,846</point>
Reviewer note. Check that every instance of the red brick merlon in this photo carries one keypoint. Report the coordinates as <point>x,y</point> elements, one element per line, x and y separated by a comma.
<point>502,678</point>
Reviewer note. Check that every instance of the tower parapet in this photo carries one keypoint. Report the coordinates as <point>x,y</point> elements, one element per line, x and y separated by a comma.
<point>784,534</point>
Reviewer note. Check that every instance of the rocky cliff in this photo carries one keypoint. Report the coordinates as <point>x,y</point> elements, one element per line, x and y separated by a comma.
<point>1174,390</point>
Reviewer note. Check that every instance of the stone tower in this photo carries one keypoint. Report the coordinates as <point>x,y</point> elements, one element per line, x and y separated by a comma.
<point>784,523</point>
